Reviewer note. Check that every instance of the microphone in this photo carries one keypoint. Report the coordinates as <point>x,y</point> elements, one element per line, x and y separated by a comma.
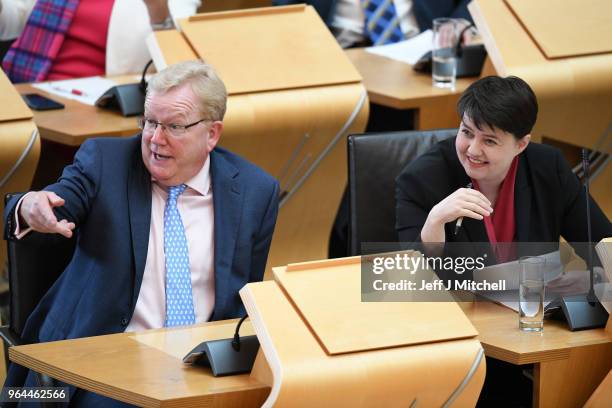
<point>236,341</point>
<point>583,311</point>
<point>143,81</point>
<point>226,356</point>
<point>585,169</point>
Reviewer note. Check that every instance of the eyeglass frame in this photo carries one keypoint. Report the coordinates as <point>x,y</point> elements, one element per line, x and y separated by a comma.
<point>142,121</point>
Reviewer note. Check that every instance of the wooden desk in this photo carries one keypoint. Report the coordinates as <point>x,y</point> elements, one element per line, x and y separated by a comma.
<point>145,369</point>
<point>78,122</point>
<point>389,83</point>
<point>396,85</point>
<point>568,365</point>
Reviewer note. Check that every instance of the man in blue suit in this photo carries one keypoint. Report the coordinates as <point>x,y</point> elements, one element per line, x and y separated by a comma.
<point>149,211</point>
<point>338,14</point>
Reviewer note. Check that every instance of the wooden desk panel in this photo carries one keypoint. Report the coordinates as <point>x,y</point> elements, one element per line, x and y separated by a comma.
<point>78,122</point>
<point>568,366</point>
<point>396,85</point>
<point>145,368</point>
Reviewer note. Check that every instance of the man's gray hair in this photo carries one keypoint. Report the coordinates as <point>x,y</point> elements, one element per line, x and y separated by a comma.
<point>205,84</point>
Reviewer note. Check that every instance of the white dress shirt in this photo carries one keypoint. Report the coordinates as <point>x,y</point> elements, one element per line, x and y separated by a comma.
<point>196,208</point>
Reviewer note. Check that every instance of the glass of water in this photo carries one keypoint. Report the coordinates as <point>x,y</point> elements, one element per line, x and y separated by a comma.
<point>531,293</point>
<point>444,63</point>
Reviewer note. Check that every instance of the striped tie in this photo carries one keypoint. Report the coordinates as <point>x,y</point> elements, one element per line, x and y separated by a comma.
<point>382,22</point>
<point>179,296</point>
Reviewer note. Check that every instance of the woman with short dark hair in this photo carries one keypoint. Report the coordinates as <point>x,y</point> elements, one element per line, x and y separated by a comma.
<point>504,188</point>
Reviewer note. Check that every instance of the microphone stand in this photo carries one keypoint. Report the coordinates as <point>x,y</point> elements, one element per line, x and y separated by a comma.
<point>583,311</point>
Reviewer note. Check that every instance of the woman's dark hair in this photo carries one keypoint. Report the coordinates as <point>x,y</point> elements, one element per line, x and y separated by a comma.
<point>508,104</point>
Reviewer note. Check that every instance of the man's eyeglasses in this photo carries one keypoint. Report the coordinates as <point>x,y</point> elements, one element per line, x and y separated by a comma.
<point>149,126</point>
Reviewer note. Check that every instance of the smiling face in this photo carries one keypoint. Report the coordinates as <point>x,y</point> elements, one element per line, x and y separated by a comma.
<point>486,154</point>
<point>174,160</point>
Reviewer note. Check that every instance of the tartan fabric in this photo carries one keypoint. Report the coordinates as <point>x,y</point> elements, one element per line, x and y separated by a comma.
<point>31,55</point>
<point>382,23</point>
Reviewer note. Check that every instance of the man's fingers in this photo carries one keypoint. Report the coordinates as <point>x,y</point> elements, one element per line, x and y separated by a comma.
<point>64,227</point>
<point>54,199</point>
<point>47,216</point>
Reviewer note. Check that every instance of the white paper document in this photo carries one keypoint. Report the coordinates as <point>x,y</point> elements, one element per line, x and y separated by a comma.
<point>85,90</point>
<point>509,272</point>
<point>408,51</point>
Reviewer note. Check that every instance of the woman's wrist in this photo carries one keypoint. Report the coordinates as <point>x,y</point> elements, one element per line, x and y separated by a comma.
<point>433,230</point>
<point>158,11</point>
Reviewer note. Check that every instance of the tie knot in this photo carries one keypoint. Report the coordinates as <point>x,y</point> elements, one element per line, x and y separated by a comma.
<point>175,191</point>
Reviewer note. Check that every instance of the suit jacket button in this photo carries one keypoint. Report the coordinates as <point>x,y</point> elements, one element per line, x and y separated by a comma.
<point>124,321</point>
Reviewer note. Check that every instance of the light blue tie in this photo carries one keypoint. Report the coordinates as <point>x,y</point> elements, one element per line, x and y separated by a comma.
<point>179,297</point>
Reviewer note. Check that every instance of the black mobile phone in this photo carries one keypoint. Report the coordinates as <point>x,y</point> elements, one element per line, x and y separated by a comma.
<point>39,102</point>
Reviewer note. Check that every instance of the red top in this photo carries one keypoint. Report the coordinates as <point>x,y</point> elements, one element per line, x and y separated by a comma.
<point>501,225</point>
<point>83,52</point>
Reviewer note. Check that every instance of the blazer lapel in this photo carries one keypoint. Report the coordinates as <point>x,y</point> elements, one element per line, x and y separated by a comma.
<point>227,202</point>
<point>139,205</point>
<point>522,201</point>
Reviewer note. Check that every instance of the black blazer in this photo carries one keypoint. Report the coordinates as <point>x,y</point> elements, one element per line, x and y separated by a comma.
<point>549,199</point>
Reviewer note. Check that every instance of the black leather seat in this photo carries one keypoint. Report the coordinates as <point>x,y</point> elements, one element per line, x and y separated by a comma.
<point>34,264</point>
<point>375,160</point>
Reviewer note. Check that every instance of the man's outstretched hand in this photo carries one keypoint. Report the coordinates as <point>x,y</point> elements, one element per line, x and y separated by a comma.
<point>37,212</point>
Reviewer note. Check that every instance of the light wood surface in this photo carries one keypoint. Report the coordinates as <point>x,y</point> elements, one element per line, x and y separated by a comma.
<point>574,94</point>
<point>169,47</point>
<point>145,369</point>
<point>566,28</point>
<point>19,147</point>
<point>499,334</point>
<point>270,48</point>
<point>78,122</point>
<point>603,394</point>
<point>338,315</point>
<point>13,107</point>
<point>568,366</point>
<point>396,85</point>
<point>302,374</point>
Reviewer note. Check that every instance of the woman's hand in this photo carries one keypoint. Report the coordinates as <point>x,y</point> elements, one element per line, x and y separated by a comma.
<point>464,202</point>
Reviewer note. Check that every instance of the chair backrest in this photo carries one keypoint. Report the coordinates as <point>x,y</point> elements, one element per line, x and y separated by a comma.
<point>375,160</point>
<point>34,264</point>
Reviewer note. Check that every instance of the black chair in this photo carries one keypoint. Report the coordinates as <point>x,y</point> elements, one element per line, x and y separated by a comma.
<point>375,160</point>
<point>4,47</point>
<point>34,264</point>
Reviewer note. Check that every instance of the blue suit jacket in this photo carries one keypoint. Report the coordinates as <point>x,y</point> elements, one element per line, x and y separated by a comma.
<point>108,196</point>
<point>424,10</point>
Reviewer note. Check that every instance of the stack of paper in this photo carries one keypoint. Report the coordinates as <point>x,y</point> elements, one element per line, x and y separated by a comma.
<point>408,51</point>
<point>84,90</point>
<point>604,251</point>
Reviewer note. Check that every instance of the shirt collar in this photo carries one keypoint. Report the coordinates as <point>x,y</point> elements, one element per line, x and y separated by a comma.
<point>199,183</point>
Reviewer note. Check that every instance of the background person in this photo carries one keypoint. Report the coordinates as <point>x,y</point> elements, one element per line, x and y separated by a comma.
<point>61,39</point>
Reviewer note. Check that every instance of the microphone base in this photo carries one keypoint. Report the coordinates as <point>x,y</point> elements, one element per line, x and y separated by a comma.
<point>222,358</point>
<point>579,312</point>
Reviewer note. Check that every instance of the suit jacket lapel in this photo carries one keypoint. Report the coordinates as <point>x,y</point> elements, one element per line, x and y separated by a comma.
<point>522,201</point>
<point>227,202</point>
<point>139,204</point>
